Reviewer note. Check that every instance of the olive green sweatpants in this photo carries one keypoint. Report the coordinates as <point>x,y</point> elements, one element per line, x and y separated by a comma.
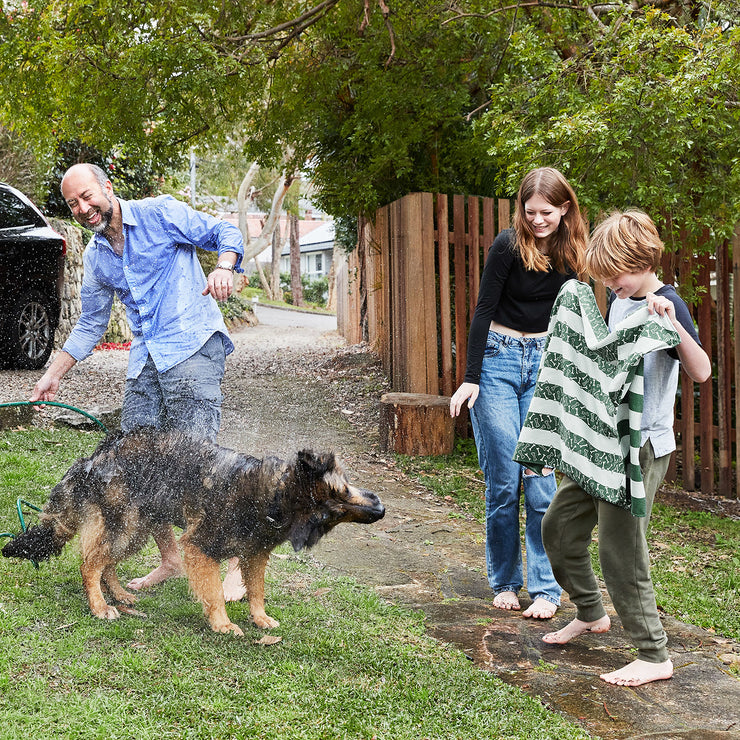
<point>623,553</point>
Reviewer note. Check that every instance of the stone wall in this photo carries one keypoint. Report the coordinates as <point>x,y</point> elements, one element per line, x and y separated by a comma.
<point>118,329</point>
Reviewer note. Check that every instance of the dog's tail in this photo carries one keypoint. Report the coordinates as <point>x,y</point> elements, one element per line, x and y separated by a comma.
<point>37,543</point>
<point>58,524</point>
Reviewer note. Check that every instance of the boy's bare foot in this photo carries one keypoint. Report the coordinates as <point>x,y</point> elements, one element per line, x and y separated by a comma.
<point>169,569</point>
<point>506,600</point>
<point>234,588</point>
<point>540,609</point>
<point>639,672</point>
<point>575,629</point>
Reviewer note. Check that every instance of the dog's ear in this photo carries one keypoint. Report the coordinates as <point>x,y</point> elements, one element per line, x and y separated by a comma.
<point>315,464</point>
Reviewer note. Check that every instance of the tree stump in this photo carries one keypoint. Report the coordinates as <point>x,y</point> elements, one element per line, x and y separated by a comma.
<point>416,424</point>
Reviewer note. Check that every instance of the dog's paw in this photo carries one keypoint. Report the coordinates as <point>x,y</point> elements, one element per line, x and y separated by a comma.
<point>229,627</point>
<point>107,612</point>
<point>264,622</point>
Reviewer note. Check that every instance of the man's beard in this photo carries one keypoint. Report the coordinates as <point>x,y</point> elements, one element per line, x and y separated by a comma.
<point>105,219</point>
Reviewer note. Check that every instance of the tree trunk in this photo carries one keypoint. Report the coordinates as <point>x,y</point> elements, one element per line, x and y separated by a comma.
<point>331,300</point>
<point>296,287</point>
<point>277,293</point>
<point>416,424</point>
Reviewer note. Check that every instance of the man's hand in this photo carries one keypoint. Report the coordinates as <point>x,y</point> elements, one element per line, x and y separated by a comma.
<point>48,384</point>
<point>220,284</point>
<point>46,389</point>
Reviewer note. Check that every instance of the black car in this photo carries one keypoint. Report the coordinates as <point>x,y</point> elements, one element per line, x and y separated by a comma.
<point>31,281</point>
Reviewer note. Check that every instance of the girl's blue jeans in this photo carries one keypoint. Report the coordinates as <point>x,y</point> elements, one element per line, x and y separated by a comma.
<point>509,373</point>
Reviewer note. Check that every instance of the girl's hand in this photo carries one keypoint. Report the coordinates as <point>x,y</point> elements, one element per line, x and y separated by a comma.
<point>466,392</point>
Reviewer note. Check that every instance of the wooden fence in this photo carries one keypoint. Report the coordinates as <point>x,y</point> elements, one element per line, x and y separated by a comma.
<point>410,289</point>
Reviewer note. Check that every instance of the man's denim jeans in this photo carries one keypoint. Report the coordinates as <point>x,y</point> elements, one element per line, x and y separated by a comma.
<point>186,397</point>
<point>508,377</point>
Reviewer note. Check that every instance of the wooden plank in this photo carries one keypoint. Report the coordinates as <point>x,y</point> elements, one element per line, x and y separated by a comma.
<point>380,238</point>
<point>473,254</point>
<point>428,294</point>
<point>724,371</point>
<point>461,297</point>
<point>398,297</point>
<point>504,214</point>
<point>706,400</point>
<point>445,316</point>
<point>489,224</point>
<point>418,292</point>
<point>687,424</point>
<point>373,271</point>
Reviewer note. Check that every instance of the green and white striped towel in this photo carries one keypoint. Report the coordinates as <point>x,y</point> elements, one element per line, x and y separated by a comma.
<point>584,419</point>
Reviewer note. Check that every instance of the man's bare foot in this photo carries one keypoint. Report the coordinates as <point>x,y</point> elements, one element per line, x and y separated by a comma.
<point>540,609</point>
<point>234,588</point>
<point>506,600</point>
<point>639,672</point>
<point>161,573</point>
<point>577,628</point>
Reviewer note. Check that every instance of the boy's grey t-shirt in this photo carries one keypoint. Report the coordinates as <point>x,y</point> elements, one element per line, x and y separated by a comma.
<point>660,371</point>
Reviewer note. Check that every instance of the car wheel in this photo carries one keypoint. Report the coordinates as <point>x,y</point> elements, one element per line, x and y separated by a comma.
<point>29,332</point>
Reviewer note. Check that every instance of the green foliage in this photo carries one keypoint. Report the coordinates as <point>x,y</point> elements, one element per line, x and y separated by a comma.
<point>348,664</point>
<point>643,113</point>
<point>316,290</point>
<point>345,232</point>
<point>375,105</point>
<point>637,107</point>
<point>235,307</point>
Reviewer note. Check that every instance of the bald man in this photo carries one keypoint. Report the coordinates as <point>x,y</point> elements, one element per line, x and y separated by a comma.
<point>144,252</point>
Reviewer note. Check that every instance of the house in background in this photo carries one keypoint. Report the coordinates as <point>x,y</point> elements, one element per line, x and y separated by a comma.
<point>315,236</point>
<point>317,251</point>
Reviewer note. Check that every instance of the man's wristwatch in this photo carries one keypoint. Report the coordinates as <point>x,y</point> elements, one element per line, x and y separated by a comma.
<point>225,266</point>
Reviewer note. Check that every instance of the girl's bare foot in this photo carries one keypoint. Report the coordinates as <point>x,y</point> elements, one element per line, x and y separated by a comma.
<point>506,600</point>
<point>639,672</point>
<point>577,628</point>
<point>540,609</point>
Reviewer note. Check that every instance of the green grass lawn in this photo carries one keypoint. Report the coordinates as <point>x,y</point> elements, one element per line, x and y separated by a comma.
<point>348,665</point>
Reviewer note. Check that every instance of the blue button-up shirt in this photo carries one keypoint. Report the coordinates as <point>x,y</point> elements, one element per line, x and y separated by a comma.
<point>158,279</point>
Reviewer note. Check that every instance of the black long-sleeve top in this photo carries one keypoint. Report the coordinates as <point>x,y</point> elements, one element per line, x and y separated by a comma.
<point>510,295</point>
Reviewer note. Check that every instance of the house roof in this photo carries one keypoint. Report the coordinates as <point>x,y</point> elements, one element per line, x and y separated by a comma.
<point>317,240</point>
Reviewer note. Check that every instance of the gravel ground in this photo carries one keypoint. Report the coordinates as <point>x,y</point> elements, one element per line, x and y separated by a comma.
<point>266,360</point>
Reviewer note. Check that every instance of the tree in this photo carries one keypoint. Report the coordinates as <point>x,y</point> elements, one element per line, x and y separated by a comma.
<point>373,95</point>
<point>296,286</point>
<point>644,112</point>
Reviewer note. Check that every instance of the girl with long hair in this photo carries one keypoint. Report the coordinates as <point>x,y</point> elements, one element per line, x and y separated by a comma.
<point>525,268</point>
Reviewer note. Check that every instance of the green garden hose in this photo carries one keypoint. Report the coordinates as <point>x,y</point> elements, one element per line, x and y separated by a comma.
<point>61,405</point>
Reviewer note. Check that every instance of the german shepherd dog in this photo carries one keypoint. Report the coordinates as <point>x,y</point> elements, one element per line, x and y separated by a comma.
<point>227,503</point>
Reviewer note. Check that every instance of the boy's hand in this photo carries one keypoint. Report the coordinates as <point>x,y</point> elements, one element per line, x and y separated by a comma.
<point>661,306</point>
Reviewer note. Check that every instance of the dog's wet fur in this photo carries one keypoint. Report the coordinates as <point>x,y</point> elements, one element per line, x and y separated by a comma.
<point>227,503</point>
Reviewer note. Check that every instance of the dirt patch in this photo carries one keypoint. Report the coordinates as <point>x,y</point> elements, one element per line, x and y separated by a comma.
<point>692,501</point>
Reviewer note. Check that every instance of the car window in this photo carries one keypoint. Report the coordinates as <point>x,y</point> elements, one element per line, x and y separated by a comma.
<point>14,212</point>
